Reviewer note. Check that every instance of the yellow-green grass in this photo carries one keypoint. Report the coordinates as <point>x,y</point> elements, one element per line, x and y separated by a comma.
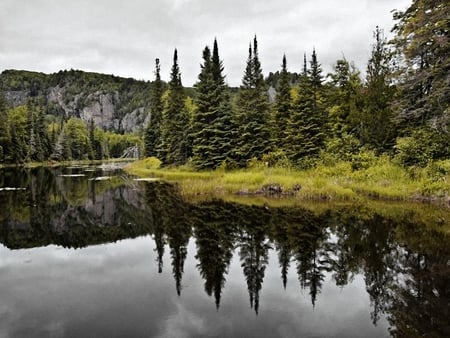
<point>383,180</point>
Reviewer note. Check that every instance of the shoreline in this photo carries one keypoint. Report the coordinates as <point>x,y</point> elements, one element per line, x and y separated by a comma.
<point>329,183</point>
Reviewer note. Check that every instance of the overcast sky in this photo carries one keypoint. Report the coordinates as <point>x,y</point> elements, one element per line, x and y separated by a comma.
<point>124,37</point>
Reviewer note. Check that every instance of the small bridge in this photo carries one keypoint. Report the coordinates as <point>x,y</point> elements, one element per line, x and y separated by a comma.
<point>131,152</point>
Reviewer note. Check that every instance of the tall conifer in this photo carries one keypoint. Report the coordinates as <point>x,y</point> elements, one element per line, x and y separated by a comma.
<point>212,123</point>
<point>173,149</point>
<point>305,132</point>
<point>152,137</point>
<point>282,106</point>
<point>252,114</point>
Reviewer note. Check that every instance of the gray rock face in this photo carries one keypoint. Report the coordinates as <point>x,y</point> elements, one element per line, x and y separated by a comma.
<point>112,103</point>
<point>100,109</point>
<point>136,120</point>
<point>17,97</point>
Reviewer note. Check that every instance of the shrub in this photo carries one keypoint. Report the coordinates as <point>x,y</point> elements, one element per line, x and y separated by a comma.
<point>276,159</point>
<point>364,159</point>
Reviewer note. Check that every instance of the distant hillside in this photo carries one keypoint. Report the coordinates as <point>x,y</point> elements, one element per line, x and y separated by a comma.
<point>113,103</point>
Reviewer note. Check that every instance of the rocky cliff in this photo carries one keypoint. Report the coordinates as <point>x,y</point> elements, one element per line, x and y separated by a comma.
<point>113,103</point>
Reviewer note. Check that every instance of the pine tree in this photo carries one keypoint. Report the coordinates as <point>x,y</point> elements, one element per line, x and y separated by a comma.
<point>283,103</point>
<point>211,125</point>
<point>174,149</point>
<point>252,114</point>
<point>152,136</point>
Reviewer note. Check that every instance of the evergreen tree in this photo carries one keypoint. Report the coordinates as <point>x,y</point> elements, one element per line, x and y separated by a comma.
<point>152,136</point>
<point>345,101</point>
<point>19,138</point>
<point>4,131</point>
<point>252,114</point>
<point>93,154</point>
<point>376,124</point>
<point>283,102</point>
<point>316,79</point>
<point>422,40</point>
<point>305,127</point>
<point>173,149</point>
<point>211,125</point>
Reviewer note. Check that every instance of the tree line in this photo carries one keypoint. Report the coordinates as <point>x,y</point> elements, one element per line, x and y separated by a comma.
<point>400,107</point>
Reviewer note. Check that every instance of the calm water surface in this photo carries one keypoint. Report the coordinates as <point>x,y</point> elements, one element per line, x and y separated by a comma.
<point>92,253</point>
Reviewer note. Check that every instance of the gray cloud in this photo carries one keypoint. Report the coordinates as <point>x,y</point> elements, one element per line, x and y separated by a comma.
<point>124,38</point>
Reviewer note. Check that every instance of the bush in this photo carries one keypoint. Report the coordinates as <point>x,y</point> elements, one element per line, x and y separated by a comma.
<point>422,146</point>
<point>411,151</point>
<point>342,148</point>
<point>364,159</point>
<point>276,159</point>
<point>151,163</point>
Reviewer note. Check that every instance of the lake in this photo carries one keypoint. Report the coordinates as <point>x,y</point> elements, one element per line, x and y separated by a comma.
<point>91,252</point>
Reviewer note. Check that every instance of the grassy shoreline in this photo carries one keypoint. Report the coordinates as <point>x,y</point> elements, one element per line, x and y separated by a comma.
<point>382,180</point>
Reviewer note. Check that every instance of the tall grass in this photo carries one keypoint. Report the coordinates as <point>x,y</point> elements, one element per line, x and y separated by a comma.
<point>381,179</point>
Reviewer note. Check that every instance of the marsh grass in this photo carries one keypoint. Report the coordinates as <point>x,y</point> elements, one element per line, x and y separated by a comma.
<point>383,179</point>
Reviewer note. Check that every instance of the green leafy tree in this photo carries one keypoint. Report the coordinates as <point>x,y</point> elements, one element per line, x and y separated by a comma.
<point>152,136</point>
<point>173,149</point>
<point>17,125</point>
<point>77,139</point>
<point>4,130</point>
<point>252,115</point>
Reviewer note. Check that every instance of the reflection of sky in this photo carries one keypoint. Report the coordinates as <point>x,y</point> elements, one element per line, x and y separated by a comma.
<point>114,290</point>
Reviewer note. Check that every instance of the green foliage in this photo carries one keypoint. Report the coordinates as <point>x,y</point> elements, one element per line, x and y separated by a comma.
<point>77,89</point>
<point>377,127</point>
<point>77,139</point>
<point>423,146</point>
<point>344,99</point>
<point>305,129</point>
<point>283,107</point>
<point>277,158</point>
<point>342,148</point>
<point>252,112</point>
<point>422,45</point>
<point>17,148</point>
<point>212,126</point>
<point>364,159</point>
<point>175,148</point>
<point>152,136</point>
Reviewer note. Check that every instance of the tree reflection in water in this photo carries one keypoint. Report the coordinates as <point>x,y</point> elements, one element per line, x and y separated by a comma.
<point>404,259</point>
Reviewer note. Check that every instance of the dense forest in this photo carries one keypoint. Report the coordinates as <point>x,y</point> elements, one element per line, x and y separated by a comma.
<point>398,107</point>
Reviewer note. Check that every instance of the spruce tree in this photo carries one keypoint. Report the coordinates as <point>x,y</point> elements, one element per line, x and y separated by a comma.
<point>211,125</point>
<point>282,106</point>
<point>316,79</point>
<point>152,134</point>
<point>252,112</point>
<point>174,149</point>
<point>377,120</point>
<point>305,132</point>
